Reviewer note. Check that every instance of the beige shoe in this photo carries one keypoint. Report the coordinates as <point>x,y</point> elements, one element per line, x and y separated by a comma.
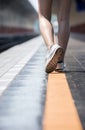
<point>54,55</point>
<point>60,67</point>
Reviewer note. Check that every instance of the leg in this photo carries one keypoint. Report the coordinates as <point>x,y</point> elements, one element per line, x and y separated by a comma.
<point>55,51</point>
<point>44,20</point>
<point>63,13</point>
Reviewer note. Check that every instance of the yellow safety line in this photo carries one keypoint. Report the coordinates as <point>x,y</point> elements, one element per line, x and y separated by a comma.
<point>60,111</point>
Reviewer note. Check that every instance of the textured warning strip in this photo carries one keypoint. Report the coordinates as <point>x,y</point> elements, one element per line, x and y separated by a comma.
<point>60,111</point>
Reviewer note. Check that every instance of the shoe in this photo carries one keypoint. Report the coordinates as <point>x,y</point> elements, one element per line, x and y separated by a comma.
<point>60,66</point>
<point>54,55</point>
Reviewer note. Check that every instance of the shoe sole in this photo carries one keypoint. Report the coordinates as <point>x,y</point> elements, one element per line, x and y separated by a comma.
<point>51,66</point>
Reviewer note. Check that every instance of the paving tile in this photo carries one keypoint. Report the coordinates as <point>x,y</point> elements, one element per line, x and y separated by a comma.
<point>75,61</point>
<point>22,104</point>
<point>12,68</point>
<point>15,54</point>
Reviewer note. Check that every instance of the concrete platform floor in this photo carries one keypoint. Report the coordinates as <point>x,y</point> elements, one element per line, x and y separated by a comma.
<point>32,100</point>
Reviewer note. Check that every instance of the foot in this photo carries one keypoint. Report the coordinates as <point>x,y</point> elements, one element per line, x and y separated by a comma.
<point>54,55</point>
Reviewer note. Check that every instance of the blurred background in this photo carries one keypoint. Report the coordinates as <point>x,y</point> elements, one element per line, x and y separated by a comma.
<point>19,20</point>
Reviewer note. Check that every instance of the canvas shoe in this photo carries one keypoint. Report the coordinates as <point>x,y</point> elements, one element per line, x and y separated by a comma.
<point>54,55</point>
<point>60,66</point>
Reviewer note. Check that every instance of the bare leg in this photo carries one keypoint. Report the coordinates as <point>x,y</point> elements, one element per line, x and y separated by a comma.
<point>55,53</point>
<point>45,21</point>
<point>63,13</point>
